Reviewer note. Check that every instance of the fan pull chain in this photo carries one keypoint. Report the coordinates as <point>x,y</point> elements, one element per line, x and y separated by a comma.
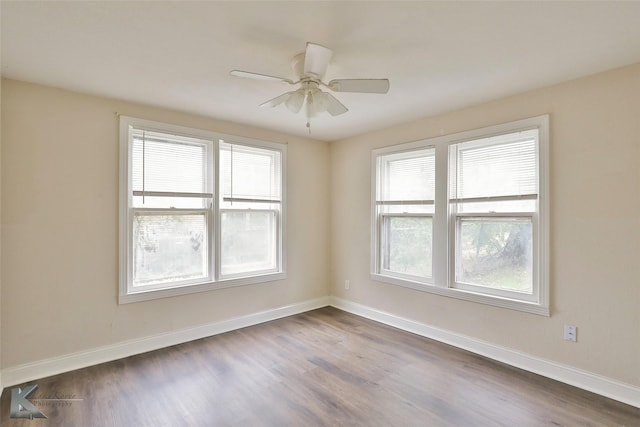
<point>309,100</point>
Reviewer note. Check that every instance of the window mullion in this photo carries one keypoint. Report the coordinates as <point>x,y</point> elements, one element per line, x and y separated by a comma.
<point>440,218</point>
<point>216,183</point>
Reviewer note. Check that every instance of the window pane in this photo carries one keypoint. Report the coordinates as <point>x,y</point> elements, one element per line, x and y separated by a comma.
<point>248,241</point>
<point>408,176</point>
<point>169,248</point>
<point>407,245</point>
<point>249,172</point>
<point>499,166</point>
<point>170,163</point>
<point>495,253</point>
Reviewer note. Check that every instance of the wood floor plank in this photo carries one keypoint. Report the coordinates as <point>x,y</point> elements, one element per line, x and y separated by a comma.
<point>320,368</point>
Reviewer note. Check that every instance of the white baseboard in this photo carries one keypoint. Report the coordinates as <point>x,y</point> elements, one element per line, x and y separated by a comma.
<point>604,386</point>
<point>69,362</point>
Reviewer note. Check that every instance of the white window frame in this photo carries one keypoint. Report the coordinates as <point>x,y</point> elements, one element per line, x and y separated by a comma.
<point>444,223</point>
<point>127,294</point>
<point>380,216</point>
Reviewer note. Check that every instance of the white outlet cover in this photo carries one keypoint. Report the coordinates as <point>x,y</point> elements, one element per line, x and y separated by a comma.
<point>570,333</point>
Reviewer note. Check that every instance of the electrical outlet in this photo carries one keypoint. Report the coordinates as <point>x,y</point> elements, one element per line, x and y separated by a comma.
<point>571,333</point>
<point>347,284</point>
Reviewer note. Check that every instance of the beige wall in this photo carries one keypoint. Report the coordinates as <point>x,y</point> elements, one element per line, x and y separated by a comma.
<point>595,227</point>
<point>1,386</point>
<point>59,198</point>
<point>60,228</point>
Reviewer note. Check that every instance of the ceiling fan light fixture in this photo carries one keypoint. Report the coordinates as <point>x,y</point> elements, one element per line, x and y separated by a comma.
<point>322,101</point>
<point>318,102</point>
<point>295,101</point>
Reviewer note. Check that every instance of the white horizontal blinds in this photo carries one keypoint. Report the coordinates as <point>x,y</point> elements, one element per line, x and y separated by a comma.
<point>407,177</point>
<point>250,174</point>
<point>168,166</point>
<point>496,168</point>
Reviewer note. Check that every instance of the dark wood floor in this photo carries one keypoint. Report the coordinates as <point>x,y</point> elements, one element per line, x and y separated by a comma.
<point>321,368</point>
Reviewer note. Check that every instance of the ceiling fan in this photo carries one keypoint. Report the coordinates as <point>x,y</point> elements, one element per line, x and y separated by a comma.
<point>310,67</point>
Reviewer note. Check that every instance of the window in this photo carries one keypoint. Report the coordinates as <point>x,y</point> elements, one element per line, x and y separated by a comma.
<point>198,211</point>
<point>494,193</point>
<point>404,204</point>
<point>250,210</point>
<point>466,215</point>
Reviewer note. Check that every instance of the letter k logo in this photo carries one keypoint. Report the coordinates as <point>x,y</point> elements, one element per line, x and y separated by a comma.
<point>21,407</point>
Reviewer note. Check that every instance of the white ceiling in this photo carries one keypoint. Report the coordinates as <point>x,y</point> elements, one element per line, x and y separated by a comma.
<point>439,56</point>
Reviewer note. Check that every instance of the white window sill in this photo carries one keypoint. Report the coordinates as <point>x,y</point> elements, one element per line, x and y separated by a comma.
<point>512,304</point>
<point>151,294</point>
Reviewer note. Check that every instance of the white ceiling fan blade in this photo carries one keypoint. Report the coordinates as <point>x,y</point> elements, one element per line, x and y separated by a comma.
<point>277,100</point>
<point>256,76</point>
<point>335,107</point>
<point>360,85</point>
<point>316,60</point>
